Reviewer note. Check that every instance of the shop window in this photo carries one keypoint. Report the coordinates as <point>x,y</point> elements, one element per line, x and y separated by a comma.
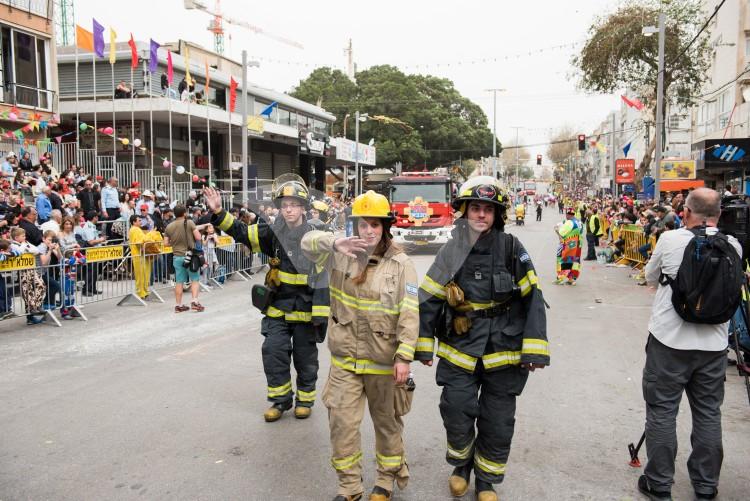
<point>293,119</point>
<point>304,121</point>
<point>283,116</point>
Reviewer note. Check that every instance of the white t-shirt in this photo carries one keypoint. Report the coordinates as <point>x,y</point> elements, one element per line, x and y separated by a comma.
<point>50,225</point>
<point>665,324</point>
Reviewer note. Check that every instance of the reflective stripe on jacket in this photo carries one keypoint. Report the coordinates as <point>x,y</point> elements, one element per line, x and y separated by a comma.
<point>373,322</point>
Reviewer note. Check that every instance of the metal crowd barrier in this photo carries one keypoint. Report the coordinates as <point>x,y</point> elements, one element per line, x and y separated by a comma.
<point>634,239</point>
<point>109,272</point>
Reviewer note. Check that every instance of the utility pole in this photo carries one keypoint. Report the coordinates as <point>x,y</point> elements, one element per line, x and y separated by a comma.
<point>659,109</point>
<point>518,151</point>
<point>494,129</point>
<point>612,157</point>
<point>243,127</point>
<point>356,153</point>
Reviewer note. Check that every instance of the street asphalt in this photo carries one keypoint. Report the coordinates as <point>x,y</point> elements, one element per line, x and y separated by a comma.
<point>143,403</point>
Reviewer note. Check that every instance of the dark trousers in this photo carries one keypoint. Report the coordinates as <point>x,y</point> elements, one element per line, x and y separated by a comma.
<point>538,215</point>
<point>592,241</point>
<point>667,374</point>
<point>478,411</point>
<point>112,215</point>
<point>89,274</point>
<point>286,342</point>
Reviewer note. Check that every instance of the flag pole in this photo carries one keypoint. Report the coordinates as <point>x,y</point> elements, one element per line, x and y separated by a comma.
<point>190,137</point>
<point>114,124</point>
<point>132,118</point>
<point>229,164</point>
<point>96,130</point>
<point>208,133</point>
<point>78,120</point>
<point>151,118</point>
<point>169,108</point>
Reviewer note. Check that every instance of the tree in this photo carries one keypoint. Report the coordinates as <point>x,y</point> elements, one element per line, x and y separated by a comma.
<point>442,126</point>
<point>463,170</point>
<point>562,145</point>
<point>617,56</point>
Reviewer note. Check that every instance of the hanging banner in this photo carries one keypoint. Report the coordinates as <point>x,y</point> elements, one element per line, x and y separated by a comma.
<point>677,169</point>
<point>22,262</point>
<point>256,125</point>
<point>94,254</point>
<point>624,170</point>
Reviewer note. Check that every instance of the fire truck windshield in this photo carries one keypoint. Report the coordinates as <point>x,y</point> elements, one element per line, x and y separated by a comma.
<point>430,192</point>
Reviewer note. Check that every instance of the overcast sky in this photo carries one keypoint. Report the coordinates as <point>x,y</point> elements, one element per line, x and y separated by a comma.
<point>452,37</point>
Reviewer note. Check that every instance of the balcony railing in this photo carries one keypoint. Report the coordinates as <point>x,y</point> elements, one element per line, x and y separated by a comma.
<point>28,97</point>
<point>39,7</point>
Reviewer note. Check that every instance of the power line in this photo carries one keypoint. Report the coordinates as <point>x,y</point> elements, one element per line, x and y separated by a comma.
<point>708,21</point>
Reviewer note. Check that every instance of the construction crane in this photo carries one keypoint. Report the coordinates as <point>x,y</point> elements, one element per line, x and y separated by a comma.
<point>216,26</point>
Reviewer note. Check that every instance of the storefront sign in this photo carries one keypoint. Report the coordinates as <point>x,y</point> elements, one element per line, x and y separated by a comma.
<point>22,262</point>
<point>94,254</point>
<point>624,170</point>
<point>346,150</point>
<point>678,169</point>
<point>313,143</point>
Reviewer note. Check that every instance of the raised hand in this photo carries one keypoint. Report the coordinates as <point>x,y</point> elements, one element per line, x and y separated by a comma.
<point>350,246</point>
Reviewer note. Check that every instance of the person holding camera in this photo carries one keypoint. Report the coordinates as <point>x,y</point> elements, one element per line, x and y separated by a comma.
<point>182,235</point>
<point>295,304</point>
<point>373,334</point>
<point>480,298</point>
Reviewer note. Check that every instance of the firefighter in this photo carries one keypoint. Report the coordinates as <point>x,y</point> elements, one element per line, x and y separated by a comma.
<point>569,250</point>
<point>481,300</point>
<point>318,217</point>
<point>373,334</point>
<point>297,315</point>
<point>594,231</point>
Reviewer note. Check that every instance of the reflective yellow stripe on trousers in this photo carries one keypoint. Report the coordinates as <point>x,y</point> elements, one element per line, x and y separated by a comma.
<point>456,357</point>
<point>389,461</point>
<point>289,316</point>
<point>346,462</point>
<point>361,366</point>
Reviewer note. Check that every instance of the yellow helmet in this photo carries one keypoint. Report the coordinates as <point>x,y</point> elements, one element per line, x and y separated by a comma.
<point>320,206</point>
<point>292,186</point>
<point>371,204</point>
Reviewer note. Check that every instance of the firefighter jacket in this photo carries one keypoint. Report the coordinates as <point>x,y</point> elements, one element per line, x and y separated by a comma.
<point>303,293</point>
<point>594,225</point>
<point>373,322</point>
<point>507,328</point>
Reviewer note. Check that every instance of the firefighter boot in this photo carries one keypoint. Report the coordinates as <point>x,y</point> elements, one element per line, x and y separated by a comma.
<point>485,491</point>
<point>301,412</point>
<point>350,497</point>
<point>379,494</point>
<point>459,480</point>
<point>274,412</point>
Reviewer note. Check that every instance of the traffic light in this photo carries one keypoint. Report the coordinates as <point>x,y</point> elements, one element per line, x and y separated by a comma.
<point>539,159</point>
<point>581,142</point>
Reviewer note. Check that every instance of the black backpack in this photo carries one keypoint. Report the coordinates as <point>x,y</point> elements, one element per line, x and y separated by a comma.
<point>708,285</point>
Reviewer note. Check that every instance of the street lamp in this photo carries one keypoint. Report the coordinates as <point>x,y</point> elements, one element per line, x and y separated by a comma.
<point>357,118</point>
<point>517,159</point>
<point>648,31</point>
<point>494,128</point>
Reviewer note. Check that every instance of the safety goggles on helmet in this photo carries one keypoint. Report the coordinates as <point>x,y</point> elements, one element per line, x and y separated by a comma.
<point>480,189</point>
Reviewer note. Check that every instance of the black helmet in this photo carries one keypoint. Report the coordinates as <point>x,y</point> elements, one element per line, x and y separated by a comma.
<point>481,189</point>
<point>292,186</point>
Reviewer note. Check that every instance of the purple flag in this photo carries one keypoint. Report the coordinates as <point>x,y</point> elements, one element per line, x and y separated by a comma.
<point>98,39</point>
<point>153,63</point>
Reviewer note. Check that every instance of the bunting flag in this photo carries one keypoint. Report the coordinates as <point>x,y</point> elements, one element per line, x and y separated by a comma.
<point>153,62</point>
<point>133,53</point>
<point>84,39</point>
<point>187,65</point>
<point>112,46</point>
<point>633,103</point>
<point>98,38</point>
<point>626,149</point>
<point>232,94</point>
<point>170,69</point>
<point>269,109</point>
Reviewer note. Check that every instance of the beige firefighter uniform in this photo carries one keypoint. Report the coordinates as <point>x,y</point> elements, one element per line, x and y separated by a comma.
<point>371,324</point>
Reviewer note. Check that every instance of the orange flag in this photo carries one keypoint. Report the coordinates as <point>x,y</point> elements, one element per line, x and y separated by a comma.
<point>208,77</point>
<point>84,39</point>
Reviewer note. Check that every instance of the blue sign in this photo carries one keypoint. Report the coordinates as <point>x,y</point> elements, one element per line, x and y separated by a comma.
<point>728,153</point>
<point>627,187</point>
<point>648,186</point>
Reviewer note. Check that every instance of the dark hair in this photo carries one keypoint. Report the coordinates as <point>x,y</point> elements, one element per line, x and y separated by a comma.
<point>179,210</point>
<point>91,215</point>
<point>134,218</point>
<point>26,211</point>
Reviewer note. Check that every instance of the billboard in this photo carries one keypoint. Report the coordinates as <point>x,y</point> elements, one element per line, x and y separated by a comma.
<point>677,169</point>
<point>624,170</point>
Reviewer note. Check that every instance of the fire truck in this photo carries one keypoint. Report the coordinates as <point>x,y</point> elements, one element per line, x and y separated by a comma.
<point>422,204</point>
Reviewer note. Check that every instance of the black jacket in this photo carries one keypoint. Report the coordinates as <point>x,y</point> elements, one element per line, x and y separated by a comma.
<point>303,293</point>
<point>33,234</point>
<point>514,332</point>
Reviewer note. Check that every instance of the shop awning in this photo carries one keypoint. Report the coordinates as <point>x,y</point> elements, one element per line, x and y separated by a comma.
<point>680,184</point>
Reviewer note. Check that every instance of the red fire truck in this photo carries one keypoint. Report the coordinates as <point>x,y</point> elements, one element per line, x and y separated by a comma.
<point>422,204</point>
